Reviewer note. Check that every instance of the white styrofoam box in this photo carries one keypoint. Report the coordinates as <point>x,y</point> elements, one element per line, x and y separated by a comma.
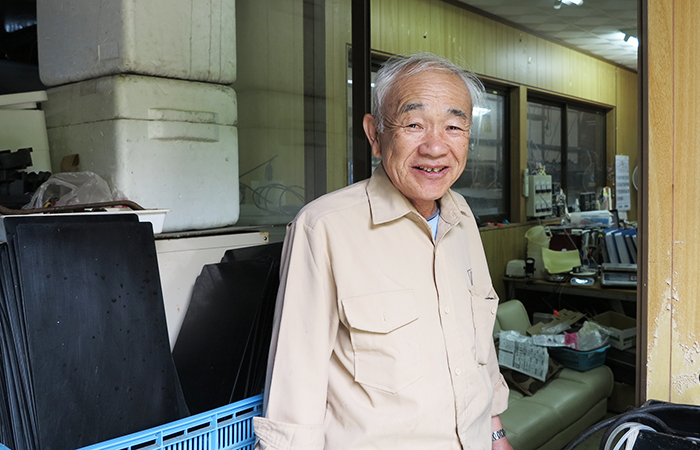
<point>185,39</point>
<point>140,97</point>
<point>166,144</point>
<point>23,125</point>
<point>180,262</point>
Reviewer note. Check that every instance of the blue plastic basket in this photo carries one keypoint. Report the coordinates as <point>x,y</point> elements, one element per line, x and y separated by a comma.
<point>229,427</point>
<point>577,360</point>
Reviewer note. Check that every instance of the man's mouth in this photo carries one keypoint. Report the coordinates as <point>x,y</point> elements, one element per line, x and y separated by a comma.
<point>431,169</point>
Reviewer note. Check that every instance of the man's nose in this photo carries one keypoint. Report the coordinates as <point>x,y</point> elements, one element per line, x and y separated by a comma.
<point>435,143</point>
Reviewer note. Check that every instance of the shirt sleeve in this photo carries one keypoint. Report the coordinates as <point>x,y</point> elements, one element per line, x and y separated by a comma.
<point>500,388</point>
<point>303,335</point>
<point>273,435</point>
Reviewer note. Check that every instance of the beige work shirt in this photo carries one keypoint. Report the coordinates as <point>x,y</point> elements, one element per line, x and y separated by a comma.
<point>382,335</point>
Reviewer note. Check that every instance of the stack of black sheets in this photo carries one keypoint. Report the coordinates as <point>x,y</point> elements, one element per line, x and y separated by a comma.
<point>84,343</point>
<point>222,348</point>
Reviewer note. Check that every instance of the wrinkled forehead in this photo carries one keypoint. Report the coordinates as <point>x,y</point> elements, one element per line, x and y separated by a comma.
<point>414,91</point>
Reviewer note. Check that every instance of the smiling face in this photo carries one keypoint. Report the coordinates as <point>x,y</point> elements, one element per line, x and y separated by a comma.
<point>426,136</point>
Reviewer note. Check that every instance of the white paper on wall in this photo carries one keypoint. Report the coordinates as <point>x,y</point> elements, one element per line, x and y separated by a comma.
<point>622,182</point>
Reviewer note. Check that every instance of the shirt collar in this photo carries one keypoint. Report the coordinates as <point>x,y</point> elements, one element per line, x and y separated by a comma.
<point>388,204</point>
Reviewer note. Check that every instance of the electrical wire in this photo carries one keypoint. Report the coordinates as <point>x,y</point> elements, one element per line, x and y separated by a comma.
<point>639,415</point>
<point>257,167</point>
<point>629,438</point>
<point>272,196</point>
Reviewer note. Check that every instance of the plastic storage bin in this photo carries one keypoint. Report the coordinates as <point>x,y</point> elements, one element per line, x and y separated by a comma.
<point>186,39</point>
<point>166,144</point>
<point>227,428</point>
<point>577,360</point>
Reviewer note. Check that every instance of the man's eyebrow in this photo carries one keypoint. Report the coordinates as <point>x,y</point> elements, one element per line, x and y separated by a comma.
<point>457,112</point>
<point>411,107</point>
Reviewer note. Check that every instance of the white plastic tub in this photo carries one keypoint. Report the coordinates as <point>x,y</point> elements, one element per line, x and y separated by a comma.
<point>185,39</point>
<point>156,217</point>
<point>166,144</point>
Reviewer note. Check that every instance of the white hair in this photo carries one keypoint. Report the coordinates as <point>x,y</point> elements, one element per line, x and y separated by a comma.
<point>399,67</point>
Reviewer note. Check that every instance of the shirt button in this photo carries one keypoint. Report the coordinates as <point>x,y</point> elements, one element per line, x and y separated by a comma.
<point>494,310</point>
<point>458,371</point>
<point>447,310</point>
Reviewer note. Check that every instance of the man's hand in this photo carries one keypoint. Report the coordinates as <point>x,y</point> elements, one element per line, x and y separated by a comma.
<point>502,443</point>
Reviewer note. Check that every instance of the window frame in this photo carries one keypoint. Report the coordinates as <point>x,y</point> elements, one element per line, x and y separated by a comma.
<point>504,91</point>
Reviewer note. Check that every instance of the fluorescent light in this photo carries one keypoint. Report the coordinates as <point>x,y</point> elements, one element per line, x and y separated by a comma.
<point>370,85</point>
<point>629,36</point>
<point>558,3</point>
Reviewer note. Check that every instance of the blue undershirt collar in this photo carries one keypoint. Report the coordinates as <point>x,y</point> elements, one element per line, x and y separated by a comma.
<point>433,222</point>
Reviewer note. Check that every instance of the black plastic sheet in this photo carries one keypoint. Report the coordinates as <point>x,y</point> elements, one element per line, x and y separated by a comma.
<point>85,352</point>
<point>221,350</point>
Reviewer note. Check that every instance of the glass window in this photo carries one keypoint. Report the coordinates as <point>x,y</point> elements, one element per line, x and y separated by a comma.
<point>585,160</point>
<point>485,180</point>
<point>291,87</point>
<point>567,142</point>
<point>377,59</point>
<point>544,140</point>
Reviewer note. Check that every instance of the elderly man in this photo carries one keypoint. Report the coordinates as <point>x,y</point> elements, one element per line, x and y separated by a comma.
<point>382,336</point>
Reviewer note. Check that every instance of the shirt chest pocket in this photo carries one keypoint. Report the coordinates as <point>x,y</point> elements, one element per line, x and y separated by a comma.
<point>384,339</point>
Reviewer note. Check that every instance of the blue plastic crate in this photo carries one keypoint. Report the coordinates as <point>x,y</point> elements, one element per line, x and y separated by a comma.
<point>577,360</point>
<point>229,427</point>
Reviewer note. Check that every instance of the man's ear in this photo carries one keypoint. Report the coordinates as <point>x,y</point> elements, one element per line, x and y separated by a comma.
<point>370,126</point>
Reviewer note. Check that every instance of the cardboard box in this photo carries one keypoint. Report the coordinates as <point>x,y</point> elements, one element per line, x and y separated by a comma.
<point>624,329</point>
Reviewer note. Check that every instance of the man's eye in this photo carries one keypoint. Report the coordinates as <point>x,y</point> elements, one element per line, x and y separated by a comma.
<point>413,125</point>
<point>454,128</point>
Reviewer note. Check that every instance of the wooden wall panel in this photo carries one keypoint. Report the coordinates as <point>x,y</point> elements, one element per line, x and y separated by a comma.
<point>502,245</point>
<point>436,30</point>
<point>673,187</point>
<point>685,309</point>
<point>488,60</point>
<point>489,48</point>
<point>659,240</point>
